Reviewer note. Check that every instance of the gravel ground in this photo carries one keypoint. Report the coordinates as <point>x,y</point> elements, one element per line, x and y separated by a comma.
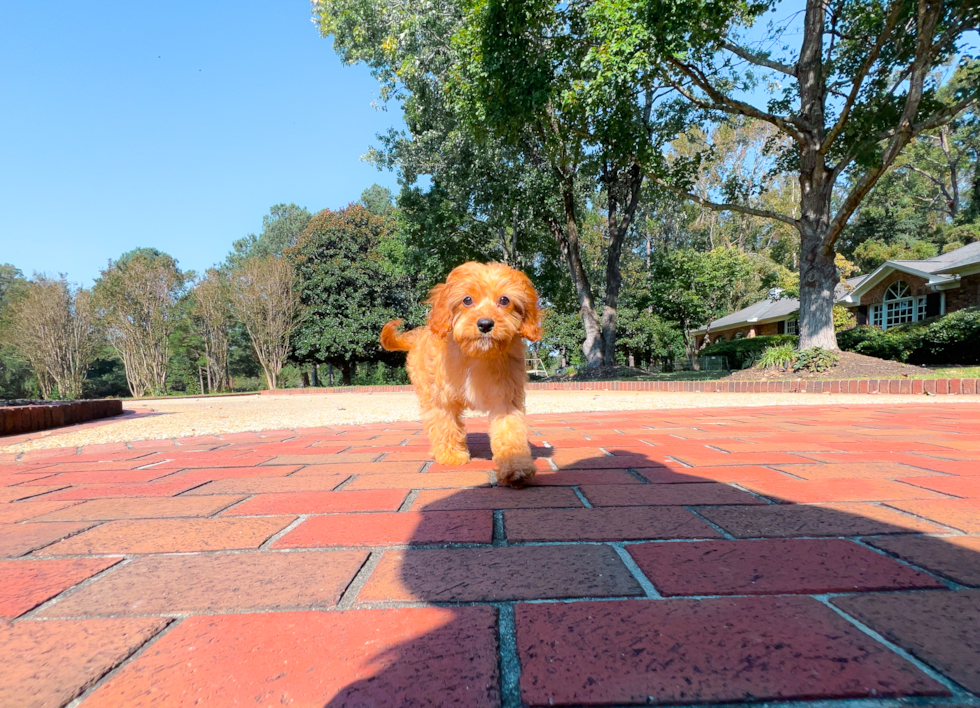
<point>182,417</point>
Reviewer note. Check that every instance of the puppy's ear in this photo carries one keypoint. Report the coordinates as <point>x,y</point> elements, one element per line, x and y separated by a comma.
<point>531,325</point>
<point>441,316</point>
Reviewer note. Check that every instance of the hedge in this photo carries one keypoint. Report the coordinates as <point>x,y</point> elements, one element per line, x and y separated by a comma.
<point>952,339</point>
<point>742,352</point>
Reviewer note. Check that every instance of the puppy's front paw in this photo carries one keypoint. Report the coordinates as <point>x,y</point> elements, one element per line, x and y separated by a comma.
<point>515,472</point>
<point>452,457</point>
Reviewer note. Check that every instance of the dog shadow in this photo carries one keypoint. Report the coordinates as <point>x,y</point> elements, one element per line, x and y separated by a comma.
<point>458,663</point>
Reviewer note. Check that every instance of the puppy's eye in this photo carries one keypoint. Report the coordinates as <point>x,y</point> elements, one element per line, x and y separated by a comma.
<point>468,301</point>
<point>504,301</point>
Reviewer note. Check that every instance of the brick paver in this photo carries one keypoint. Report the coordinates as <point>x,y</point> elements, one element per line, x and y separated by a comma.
<point>686,651</point>
<point>26,584</point>
<point>658,557</point>
<point>942,628</point>
<point>218,582</point>
<point>772,567</point>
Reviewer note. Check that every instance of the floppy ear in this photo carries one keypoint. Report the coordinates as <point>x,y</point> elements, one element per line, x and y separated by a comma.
<point>441,316</point>
<point>531,326</point>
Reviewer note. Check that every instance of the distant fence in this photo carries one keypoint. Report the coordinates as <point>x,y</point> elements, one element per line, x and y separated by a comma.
<point>872,386</point>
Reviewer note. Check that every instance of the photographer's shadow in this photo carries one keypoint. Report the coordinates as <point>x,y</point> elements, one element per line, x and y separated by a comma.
<point>451,655</point>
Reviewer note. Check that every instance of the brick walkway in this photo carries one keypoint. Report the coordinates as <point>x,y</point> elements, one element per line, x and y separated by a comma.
<point>821,554</point>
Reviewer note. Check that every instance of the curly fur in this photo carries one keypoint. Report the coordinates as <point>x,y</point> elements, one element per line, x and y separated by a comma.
<point>455,366</point>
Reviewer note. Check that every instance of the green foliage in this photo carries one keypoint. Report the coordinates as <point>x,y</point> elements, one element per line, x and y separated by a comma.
<point>742,352</point>
<point>281,229</point>
<point>814,359</point>
<point>780,356</point>
<point>692,288</point>
<point>873,252</point>
<point>952,339</point>
<point>563,334</point>
<point>378,200</point>
<point>647,336</point>
<point>349,290</point>
<point>843,318</point>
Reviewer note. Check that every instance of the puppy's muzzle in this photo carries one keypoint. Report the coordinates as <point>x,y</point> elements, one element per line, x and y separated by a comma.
<point>484,324</point>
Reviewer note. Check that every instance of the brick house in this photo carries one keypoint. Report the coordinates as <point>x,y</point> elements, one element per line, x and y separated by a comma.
<point>895,293</point>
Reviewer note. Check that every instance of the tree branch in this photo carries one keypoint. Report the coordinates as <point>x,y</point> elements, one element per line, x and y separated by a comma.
<point>729,105</point>
<point>869,61</point>
<point>751,211</point>
<point>759,60</point>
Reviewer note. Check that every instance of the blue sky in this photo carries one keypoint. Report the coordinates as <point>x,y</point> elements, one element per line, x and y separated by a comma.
<point>170,124</point>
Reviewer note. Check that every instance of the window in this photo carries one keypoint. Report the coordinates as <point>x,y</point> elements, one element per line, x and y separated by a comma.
<point>792,327</point>
<point>899,307</point>
<point>875,315</point>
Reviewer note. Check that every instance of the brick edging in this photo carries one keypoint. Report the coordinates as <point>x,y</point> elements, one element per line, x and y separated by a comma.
<point>876,386</point>
<point>27,419</point>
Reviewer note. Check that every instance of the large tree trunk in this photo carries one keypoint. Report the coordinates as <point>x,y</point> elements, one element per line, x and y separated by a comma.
<point>617,227</point>
<point>818,272</point>
<point>818,280</point>
<point>568,243</point>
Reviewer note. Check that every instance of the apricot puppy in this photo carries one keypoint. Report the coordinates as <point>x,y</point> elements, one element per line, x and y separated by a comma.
<point>470,355</point>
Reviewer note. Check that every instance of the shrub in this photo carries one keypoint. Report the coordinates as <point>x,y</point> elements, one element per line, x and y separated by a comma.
<point>742,352</point>
<point>776,357</point>
<point>814,359</point>
<point>953,339</point>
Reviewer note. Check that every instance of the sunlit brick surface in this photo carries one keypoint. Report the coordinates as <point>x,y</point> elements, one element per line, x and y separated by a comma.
<point>796,555</point>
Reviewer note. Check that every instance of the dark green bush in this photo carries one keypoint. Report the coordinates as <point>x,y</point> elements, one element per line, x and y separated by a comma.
<point>953,339</point>
<point>742,351</point>
<point>815,359</point>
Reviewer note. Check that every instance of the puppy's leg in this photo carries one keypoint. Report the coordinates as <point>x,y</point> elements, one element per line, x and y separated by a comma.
<point>511,451</point>
<point>446,434</point>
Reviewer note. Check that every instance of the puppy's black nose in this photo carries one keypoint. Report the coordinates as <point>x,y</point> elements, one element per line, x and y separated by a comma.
<point>484,324</point>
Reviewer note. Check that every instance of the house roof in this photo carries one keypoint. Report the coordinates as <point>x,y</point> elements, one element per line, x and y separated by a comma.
<point>773,308</point>
<point>938,270</point>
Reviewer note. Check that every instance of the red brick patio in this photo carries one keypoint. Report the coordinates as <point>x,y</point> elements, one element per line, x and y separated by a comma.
<point>821,554</point>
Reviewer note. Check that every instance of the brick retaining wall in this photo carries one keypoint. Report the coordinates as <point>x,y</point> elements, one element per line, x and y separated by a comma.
<point>27,419</point>
<point>906,386</point>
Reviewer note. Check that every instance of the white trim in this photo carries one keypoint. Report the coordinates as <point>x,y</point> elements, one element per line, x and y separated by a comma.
<point>933,280</point>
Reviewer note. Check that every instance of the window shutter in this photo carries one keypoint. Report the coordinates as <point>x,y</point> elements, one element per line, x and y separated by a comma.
<point>933,304</point>
<point>781,327</point>
<point>862,315</point>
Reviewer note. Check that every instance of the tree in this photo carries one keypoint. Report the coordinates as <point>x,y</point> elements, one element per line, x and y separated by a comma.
<point>53,328</point>
<point>349,288</point>
<point>15,375</point>
<point>858,88</point>
<point>466,104</point>
<point>138,298</point>
<point>378,200</point>
<point>281,228</point>
<point>212,317</point>
<point>265,299</point>
<point>693,288</point>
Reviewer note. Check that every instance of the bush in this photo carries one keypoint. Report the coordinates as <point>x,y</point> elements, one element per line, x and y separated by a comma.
<point>742,352</point>
<point>776,357</point>
<point>953,339</point>
<point>814,359</point>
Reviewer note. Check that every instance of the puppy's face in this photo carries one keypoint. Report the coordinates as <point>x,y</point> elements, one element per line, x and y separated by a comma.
<point>485,306</point>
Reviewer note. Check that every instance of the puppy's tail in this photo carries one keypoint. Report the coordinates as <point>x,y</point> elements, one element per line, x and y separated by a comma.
<point>396,341</point>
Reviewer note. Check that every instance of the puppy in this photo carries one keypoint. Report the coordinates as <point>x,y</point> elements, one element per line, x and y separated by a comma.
<point>470,355</point>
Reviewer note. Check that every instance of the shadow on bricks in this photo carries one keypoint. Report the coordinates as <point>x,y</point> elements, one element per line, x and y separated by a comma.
<point>692,557</point>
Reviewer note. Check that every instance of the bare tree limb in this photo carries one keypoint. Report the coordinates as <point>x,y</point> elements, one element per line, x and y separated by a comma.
<point>727,104</point>
<point>759,60</point>
<point>751,211</point>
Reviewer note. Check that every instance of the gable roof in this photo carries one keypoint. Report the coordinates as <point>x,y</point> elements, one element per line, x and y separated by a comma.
<point>938,271</point>
<point>773,309</point>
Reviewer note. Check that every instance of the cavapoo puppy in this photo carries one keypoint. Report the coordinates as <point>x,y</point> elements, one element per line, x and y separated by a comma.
<point>470,354</point>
